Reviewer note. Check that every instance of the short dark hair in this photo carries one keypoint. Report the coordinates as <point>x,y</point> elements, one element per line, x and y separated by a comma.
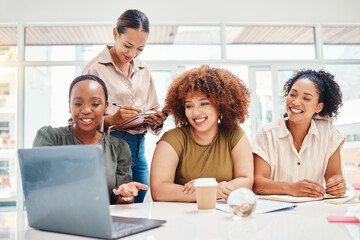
<point>328,89</point>
<point>89,77</point>
<point>134,19</point>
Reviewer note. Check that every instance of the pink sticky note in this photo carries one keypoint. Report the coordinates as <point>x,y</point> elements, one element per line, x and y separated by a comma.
<point>356,186</point>
<point>343,219</point>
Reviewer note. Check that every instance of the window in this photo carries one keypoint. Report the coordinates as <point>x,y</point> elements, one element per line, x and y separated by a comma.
<point>65,43</point>
<point>264,97</point>
<point>341,42</point>
<point>8,41</point>
<point>183,43</point>
<point>283,76</point>
<point>162,81</point>
<point>171,48</point>
<point>348,77</point>
<point>8,78</point>
<point>46,98</point>
<point>269,42</point>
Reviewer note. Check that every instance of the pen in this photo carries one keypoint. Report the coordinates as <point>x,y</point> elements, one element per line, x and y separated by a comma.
<point>119,105</point>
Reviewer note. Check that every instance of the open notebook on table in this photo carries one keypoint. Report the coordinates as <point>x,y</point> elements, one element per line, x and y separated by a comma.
<point>291,199</point>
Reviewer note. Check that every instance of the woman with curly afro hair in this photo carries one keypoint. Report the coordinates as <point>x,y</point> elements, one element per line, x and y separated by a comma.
<point>294,155</point>
<point>208,104</point>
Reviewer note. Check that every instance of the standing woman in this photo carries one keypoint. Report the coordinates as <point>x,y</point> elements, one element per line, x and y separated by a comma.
<point>131,87</point>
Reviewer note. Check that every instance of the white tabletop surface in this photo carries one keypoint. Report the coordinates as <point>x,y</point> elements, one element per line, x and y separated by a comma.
<point>306,221</point>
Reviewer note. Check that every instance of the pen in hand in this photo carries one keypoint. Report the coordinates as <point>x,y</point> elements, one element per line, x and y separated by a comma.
<point>119,105</point>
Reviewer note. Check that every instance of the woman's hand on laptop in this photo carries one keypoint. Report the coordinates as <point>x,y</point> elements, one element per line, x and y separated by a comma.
<point>127,191</point>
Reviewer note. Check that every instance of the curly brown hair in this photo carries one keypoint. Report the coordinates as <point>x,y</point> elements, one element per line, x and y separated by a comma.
<point>328,89</point>
<point>223,89</point>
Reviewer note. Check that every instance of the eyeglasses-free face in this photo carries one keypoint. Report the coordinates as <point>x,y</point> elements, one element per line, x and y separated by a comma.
<point>302,101</point>
<point>129,45</point>
<point>201,113</point>
<point>87,105</point>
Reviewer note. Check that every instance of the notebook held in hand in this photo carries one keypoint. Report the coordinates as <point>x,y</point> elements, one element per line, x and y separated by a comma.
<point>134,122</point>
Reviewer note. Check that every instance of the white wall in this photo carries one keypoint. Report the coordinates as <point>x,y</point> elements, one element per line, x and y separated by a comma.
<point>184,11</point>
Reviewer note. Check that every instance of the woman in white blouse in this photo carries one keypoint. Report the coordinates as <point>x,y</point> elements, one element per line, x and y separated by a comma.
<point>294,155</point>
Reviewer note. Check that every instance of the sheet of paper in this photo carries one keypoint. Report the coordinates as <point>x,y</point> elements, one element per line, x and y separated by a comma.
<point>262,206</point>
<point>287,198</point>
<point>291,199</point>
<point>339,201</point>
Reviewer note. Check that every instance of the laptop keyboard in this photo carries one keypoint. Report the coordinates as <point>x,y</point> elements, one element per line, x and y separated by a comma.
<point>117,226</point>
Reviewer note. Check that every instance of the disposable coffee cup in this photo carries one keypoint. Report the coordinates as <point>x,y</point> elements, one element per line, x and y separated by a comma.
<point>205,191</point>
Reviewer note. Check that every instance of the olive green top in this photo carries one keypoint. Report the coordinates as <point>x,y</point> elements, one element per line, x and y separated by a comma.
<point>116,152</point>
<point>192,160</point>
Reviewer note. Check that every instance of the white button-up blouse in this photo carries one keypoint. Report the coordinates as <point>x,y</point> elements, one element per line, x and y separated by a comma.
<point>274,143</point>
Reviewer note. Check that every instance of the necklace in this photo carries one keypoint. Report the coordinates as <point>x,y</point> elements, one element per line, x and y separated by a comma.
<point>207,154</point>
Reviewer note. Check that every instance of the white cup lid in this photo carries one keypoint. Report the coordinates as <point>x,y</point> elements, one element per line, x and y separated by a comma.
<point>203,182</point>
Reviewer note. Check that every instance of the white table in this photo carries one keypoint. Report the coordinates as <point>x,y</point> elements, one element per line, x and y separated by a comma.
<point>307,221</point>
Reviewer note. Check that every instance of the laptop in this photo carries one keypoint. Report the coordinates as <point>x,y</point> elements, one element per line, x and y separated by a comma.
<point>65,191</point>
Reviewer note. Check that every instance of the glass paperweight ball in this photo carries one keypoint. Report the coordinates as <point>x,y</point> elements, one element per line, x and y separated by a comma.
<point>241,202</point>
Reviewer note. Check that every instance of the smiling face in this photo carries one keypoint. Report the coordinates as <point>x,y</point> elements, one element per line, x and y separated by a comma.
<point>302,102</point>
<point>201,113</point>
<point>87,105</point>
<point>129,45</point>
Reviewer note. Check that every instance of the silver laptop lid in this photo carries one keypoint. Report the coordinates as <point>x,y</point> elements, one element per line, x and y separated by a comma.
<point>65,191</point>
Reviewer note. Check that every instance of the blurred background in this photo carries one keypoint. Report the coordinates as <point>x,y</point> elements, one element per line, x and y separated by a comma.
<point>44,45</point>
